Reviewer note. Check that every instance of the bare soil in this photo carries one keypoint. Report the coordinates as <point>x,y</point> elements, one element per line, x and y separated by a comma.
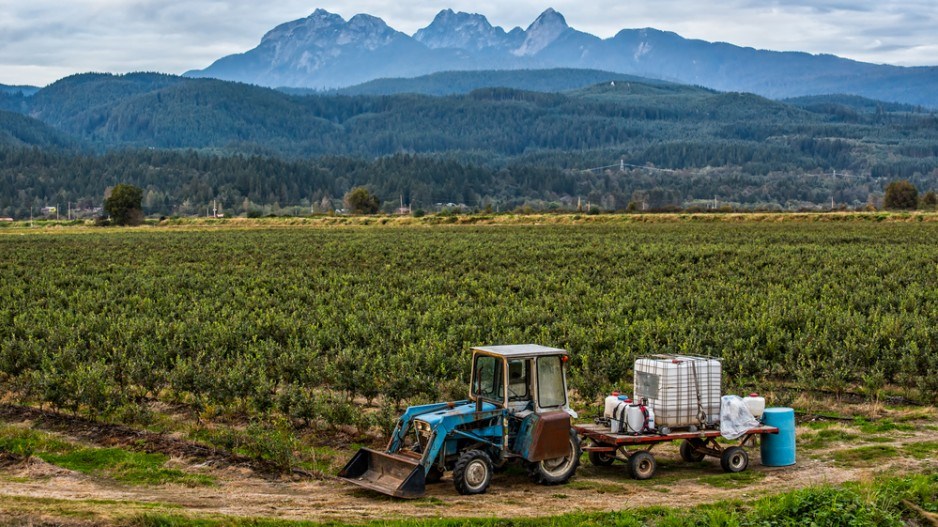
<point>247,490</point>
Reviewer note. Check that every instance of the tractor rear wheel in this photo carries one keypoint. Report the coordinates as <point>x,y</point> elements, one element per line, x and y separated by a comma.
<point>559,469</point>
<point>473,472</point>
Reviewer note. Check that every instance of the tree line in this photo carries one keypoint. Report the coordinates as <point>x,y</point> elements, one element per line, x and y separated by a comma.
<point>187,182</point>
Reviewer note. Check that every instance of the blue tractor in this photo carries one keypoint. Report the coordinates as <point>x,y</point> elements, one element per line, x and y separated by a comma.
<point>517,411</point>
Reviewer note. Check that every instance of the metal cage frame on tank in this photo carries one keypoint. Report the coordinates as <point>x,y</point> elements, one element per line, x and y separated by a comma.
<point>692,395</point>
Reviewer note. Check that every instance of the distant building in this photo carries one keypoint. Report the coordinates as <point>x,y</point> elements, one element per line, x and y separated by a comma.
<point>6,219</point>
<point>49,210</point>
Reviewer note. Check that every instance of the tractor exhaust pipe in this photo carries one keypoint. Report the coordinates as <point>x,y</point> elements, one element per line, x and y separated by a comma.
<point>391,474</point>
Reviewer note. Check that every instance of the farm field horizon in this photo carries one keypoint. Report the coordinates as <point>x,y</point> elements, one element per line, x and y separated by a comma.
<point>285,345</point>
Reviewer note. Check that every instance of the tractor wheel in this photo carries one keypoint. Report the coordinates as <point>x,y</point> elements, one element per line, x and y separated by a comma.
<point>734,459</point>
<point>473,472</point>
<point>559,469</point>
<point>642,465</point>
<point>602,459</point>
<point>688,453</point>
<point>434,475</point>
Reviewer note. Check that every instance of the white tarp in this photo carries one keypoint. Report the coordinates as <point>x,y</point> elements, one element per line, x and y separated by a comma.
<point>735,417</point>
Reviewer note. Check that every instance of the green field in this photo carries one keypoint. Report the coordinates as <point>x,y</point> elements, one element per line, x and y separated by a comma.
<point>287,343</point>
<point>300,321</point>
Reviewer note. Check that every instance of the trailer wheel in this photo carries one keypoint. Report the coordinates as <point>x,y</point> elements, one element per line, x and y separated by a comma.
<point>642,465</point>
<point>559,469</point>
<point>688,452</point>
<point>473,472</point>
<point>734,459</point>
<point>602,459</point>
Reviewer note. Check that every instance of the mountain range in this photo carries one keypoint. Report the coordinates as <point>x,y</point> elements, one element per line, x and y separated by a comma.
<point>325,51</point>
<point>189,141</point>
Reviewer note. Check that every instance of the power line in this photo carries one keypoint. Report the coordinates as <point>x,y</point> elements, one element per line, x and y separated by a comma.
<point>623,164</point>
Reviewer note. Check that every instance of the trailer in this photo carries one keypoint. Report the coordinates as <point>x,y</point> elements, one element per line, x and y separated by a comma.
<point>605,448</point>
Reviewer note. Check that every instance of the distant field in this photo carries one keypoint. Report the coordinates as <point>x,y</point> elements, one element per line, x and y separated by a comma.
<point>299,321</point>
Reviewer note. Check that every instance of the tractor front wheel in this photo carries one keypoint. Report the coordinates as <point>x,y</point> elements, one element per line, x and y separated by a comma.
<point>473,472</point>
<point>559,469</point>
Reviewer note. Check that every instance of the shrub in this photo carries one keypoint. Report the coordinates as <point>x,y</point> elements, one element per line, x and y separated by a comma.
<point>360,200</point>
<point>901,194</point>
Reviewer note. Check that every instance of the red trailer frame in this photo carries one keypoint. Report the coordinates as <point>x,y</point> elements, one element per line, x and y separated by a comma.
<point>606,447</point>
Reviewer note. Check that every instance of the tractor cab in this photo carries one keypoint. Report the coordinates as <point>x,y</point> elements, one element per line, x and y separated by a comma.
<point>520,378</point>
<point>517,411</point>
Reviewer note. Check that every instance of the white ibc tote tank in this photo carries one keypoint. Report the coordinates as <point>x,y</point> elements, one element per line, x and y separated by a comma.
<point>683,390</point>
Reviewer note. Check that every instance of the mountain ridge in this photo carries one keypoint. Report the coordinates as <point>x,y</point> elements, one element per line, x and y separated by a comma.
<point>324,51</point>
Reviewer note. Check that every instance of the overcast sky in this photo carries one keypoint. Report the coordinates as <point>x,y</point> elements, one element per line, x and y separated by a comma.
<point>44,40</point>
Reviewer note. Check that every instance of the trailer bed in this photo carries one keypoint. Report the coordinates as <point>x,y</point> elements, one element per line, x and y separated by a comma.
<point>605,448</point>
<point>604,434</point>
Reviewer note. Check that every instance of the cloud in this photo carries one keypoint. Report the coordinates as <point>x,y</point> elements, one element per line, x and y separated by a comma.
<point>43,40</point>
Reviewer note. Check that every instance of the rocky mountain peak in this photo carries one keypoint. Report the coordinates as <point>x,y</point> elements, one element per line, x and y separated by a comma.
<point>460,30</point>
<point>542,32</point>
<point>319,21</point>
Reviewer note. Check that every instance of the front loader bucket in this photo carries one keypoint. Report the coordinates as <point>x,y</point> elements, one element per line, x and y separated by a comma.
<point>390,474</point>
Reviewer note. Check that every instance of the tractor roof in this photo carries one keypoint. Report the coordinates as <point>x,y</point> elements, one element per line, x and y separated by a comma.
<point>520,350</point>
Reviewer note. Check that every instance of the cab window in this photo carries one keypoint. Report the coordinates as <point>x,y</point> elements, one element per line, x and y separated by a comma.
<point>550,389</point>
<point>489,379</point>
<point>518,380</point>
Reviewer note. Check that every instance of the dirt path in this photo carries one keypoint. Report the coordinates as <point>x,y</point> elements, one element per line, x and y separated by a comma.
<point>241,493</point>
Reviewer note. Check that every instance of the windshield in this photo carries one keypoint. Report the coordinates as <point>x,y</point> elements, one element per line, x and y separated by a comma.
<point>489,379</point>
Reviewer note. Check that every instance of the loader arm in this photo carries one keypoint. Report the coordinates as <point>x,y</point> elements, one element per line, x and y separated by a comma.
<point>402,428</point>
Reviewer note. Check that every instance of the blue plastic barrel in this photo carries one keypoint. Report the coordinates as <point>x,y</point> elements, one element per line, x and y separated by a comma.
<point>778,450</point>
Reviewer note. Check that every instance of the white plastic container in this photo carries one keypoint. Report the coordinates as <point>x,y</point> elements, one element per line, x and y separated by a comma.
<point>756,404</point>
<point>639,419</point>
<point>611,402</point>
<point>683,390</point>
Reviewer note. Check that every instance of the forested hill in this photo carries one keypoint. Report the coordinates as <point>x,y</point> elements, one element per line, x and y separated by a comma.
<point>19,130</point>
<point>24,90</point>
<point>668,125</point>
<point>462,82</point>
<point>492,145</point>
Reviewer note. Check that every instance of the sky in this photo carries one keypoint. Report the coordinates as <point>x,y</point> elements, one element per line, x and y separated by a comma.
<point>44,40</point>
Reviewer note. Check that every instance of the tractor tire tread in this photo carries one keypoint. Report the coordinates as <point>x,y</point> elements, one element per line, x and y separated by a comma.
<point>459,472</point>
